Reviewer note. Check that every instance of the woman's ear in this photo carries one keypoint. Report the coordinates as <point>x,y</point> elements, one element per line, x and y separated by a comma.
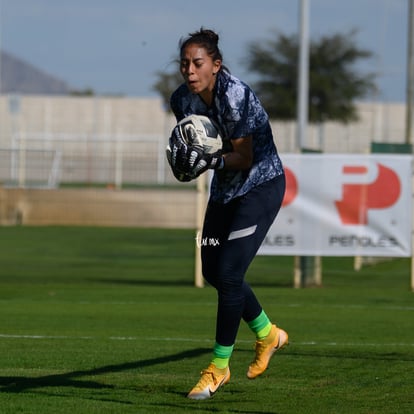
<point>216,66</point>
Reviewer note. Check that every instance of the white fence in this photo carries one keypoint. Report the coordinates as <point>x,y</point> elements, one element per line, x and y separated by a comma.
<point>121,141</point>
<point>21,167</point>
<point>118,161</point>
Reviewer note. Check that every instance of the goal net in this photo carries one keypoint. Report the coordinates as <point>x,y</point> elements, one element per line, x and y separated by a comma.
<point>30,168</point>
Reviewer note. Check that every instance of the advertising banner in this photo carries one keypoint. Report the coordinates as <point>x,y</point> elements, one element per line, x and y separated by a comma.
<point>344,205</point>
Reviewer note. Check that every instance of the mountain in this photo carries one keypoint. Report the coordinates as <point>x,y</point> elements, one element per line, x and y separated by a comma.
<point>21,77</point>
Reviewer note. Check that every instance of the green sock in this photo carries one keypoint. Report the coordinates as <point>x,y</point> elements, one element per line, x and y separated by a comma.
<point>261,325</point>
<point>221,355</point>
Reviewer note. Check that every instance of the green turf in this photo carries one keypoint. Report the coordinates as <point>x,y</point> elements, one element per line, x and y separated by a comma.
<point>104,320</point>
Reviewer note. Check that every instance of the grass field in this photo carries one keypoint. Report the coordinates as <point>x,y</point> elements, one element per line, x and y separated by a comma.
<point>106,320</point>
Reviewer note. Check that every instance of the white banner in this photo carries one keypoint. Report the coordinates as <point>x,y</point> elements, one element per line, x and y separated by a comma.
<point>344,205</point>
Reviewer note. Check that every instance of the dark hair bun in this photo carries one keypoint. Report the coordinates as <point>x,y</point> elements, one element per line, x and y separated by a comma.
<point>213,36</point>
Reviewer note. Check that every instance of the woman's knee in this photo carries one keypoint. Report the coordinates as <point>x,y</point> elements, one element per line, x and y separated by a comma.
<point>229,284</point>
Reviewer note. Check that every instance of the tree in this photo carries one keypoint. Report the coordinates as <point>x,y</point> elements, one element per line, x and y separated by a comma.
<point>166,84</point>
<point>334,84</point>
<point>82,92</point>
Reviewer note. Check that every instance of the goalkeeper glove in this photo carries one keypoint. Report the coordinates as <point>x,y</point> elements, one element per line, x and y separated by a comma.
<point>200,162</point>
<point>188,162</point>
<point>179,175</point>
<point>177,156</point>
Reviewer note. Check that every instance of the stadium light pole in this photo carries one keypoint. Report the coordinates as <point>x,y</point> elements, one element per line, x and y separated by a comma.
<point>303,75</point>
<point>302,263</point>
<point>1,83</point>
<point>410,74</point>
<point>409,108</point>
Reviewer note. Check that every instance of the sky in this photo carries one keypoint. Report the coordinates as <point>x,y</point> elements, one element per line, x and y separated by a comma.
<point>118,46</point>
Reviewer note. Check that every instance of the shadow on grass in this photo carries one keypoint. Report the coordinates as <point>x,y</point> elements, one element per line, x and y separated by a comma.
<point>69,379</point>
<point>189,283</point>
<point>144,282</point>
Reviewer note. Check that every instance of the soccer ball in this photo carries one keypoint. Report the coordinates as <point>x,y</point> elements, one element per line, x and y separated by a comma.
<point>202,131</point>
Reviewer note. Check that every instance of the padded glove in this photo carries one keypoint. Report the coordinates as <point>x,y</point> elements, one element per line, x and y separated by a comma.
<point>200,162</point>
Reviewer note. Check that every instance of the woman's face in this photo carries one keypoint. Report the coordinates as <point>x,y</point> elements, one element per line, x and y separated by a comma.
<point>199,70</point>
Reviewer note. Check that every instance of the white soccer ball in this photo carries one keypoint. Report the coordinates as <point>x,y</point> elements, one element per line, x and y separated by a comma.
<point>202,131</point>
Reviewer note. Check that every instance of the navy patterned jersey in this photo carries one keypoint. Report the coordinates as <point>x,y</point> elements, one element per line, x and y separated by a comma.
<point>239,113</point>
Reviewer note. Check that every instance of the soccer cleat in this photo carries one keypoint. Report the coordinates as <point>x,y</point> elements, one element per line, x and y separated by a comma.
<point>265,348</point>
<point>211,380</point>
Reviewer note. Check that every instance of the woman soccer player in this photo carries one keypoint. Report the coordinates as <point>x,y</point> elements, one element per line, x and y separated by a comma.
<point>246,194</point>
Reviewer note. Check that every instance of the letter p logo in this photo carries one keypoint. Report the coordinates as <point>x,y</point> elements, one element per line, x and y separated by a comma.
<point>357,199</point>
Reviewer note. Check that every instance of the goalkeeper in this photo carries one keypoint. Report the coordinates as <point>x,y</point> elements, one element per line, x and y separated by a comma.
<point>246,194</point>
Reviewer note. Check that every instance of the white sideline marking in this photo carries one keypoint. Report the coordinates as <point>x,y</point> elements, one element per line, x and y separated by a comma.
<point>136,338</point>
<point>44,337</point>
